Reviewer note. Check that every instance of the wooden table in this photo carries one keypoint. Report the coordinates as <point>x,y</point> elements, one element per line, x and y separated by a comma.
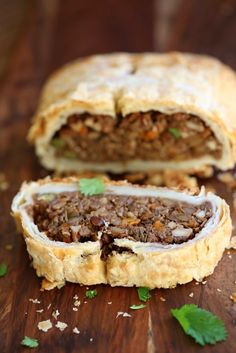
<point>54,32</point>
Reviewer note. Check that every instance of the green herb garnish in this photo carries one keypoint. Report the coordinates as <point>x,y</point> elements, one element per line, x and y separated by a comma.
<point>143,293</point>
<point>91,293</point>
<point>175,132</point>
<point>46,197</point>
<point>58,143</point>
<point>29,342</point>
<point>93,186</point>
<point>3,269</point>
<point>201,324</point>
<point>137,307</point>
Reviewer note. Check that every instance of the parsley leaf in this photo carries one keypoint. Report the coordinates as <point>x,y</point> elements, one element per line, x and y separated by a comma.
<point>3,269</point>
<point>91,293</point>
<point>201,324</point>
<point>137,307</point>
<point>92,186</point>
<point>29,342</point>
<point>175,132</point>
<point>143,294</point>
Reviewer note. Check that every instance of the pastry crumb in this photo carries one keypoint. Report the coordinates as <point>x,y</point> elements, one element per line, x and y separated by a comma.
<point>75,309</point>
<point>191,295</point>
<point>122,313</point>
<point>55,314</point>
<point>119,314</point>
<point>126,315</point>
<point>39,311</point>
<point>45,325</point>
<point>61,325</point>
<point>34,301</point>
<point>162,299</point>
<point>218,290</point>
<point>77,303</point>
<point>75,297</point>
<point>75,330</point>
<point>49,306</point>
<point>109,303</point>
<point>204,282</point>
<point>91,339</point>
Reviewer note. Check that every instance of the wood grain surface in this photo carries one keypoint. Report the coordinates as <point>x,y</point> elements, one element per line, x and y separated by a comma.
<point>55,32</point>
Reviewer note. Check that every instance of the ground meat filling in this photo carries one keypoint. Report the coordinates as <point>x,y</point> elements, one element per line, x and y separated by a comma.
<point>71,217</point>
<point>145,136</point>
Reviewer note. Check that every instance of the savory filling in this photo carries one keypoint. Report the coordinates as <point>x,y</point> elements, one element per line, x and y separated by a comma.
<point>71,217</point>
<point>145,136</point>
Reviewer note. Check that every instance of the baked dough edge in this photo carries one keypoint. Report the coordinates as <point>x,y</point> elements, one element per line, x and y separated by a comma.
<point>154,269</point>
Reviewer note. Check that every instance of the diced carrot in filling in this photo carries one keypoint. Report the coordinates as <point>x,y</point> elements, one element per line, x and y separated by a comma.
<point>146,136</point>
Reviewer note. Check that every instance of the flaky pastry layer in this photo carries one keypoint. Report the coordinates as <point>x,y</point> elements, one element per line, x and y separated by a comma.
<point>126,83</point>
<point>146,264</point>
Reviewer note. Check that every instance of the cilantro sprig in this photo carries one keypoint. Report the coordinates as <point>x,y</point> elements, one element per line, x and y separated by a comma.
<point>29,342</point>
<point>175,132</point>
<point>91,186</point>
<point>3,269</point>
<point>201,324</point>
<point>143,294</point>
<point>137,307</point>
<point>91,293</point>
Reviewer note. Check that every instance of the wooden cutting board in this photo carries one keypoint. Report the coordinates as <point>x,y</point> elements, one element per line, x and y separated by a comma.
<point>53,33</point>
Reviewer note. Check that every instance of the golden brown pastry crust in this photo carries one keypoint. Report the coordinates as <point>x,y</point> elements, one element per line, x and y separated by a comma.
<point>125,83</point>
<point>149,264</point>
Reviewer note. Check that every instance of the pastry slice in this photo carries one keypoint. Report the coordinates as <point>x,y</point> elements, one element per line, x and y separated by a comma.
<point>137,112</point>
<point>92,231</point>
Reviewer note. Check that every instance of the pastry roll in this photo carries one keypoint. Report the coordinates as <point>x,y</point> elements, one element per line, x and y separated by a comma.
<point>137,112</point>
<point>121,234</point>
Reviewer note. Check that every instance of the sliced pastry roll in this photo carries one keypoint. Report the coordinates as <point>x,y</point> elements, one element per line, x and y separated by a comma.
<point>137,112</point>
<point>92,231</point>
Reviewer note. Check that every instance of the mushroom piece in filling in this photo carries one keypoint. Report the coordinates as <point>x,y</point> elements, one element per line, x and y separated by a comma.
<point>144,136</point>
<point>72,217</point>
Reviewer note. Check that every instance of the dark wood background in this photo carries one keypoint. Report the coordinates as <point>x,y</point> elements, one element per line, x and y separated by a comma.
<point>36,37</point>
